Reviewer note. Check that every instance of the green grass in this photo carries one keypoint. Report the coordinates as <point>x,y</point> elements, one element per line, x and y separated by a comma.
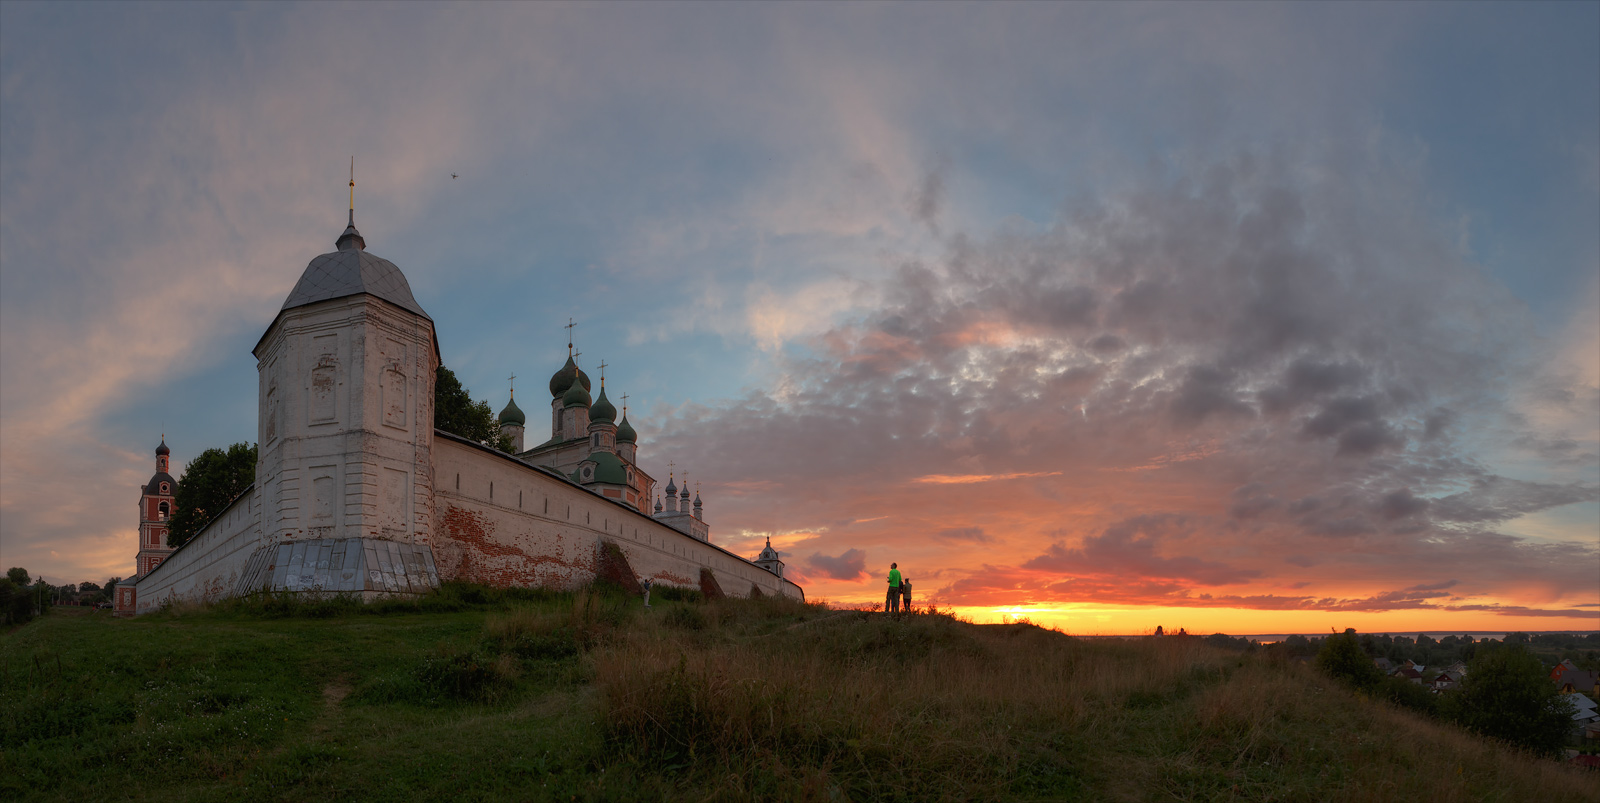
<point>477,694</point>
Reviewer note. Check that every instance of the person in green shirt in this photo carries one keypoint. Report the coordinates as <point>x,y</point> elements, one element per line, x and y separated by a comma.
<point>892,603</point>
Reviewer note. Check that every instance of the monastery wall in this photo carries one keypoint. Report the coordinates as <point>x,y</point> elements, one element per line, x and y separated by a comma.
<point>505,523</point>
<point>207,567</point>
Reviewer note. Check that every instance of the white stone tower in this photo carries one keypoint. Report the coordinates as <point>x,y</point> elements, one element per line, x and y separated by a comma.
<point>346,392</point>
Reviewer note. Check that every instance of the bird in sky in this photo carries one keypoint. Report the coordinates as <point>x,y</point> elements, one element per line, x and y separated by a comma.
<point>453,175</point>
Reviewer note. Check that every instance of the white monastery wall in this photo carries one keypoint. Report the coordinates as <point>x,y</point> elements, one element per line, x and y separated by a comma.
<point>206,568</point>
<point>505,523</point>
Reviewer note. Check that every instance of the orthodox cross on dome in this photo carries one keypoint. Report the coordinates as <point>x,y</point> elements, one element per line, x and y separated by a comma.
<point>624,398</point>
<point>513,380</point>
<point>352,190</point>
<point>602,367</point>
<point>569,327</point>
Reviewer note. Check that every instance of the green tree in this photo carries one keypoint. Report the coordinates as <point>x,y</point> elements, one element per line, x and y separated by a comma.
<point>208,484</point>
<point>455,412</point>
<point>1342,658</point>
<point>19,576</point>
<point>1507,694</point>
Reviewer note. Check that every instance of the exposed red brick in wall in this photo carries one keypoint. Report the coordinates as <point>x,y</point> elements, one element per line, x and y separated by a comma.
<point>671,579</point>
<point>708,584</point>
<point>486,558</point>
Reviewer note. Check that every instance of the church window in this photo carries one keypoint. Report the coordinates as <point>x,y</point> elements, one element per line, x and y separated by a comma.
<point>519,499</point>
<point>164,510</point>
<point>164,488</point>
<point>547,505</point>
<point>458,482</point>
<point>491,492</point>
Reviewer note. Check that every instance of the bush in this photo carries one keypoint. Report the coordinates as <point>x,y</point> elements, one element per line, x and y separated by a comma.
<point>1507,694</point>
<point>1342,658</point>
<point>676,594</point>
<point>684,617</point>
<point>447,676</point>
<point>1404,693</point>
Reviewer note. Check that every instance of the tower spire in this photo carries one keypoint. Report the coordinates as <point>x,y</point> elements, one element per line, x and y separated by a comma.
<point>351,238</point>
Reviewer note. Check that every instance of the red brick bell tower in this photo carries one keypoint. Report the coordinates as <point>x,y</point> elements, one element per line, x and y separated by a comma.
<point>157,503</point>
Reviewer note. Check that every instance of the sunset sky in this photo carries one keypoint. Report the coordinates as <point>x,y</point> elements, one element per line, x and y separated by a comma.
<point>1254,318</point>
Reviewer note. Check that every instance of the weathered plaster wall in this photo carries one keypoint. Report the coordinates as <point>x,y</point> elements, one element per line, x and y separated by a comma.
<point>502,522</point>
<point>346,421</point>
<point>207,567</point>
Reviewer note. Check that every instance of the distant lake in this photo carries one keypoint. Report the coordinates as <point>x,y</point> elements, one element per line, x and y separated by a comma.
<point>1268,638</point>
<point>1476,636</point>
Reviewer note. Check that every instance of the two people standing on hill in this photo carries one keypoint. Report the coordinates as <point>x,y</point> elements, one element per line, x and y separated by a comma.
<point>899,587</point>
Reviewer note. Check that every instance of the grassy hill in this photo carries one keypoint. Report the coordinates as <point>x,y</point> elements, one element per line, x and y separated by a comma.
<point>482,695</point>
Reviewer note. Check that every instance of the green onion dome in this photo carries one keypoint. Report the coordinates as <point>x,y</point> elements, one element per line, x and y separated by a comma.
<point>512,414</point>
<point>625,433</point>
<point>577,395</point>
<point>602,411</point>
<point>563,378</point>
<point>608,469</point>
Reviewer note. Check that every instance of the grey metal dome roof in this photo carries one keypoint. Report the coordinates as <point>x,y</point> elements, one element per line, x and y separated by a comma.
<point>350,271</point>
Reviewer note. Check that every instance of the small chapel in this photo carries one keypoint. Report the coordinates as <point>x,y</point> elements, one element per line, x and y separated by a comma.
<point>356,492</point>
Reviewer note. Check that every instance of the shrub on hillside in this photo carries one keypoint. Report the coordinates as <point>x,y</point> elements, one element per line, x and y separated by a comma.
<point>1342,658</point>
<point>1406,694</point>
<point>1507,694</point>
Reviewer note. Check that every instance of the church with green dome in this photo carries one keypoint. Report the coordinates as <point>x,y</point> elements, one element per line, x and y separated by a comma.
<point>590,446</point>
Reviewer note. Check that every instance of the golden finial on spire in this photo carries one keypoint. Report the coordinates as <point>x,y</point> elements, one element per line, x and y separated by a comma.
<point>352,189</point>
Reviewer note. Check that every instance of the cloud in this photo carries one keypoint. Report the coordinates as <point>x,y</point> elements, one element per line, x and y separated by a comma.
<point>1257,367</point>
<point>1495,499</point>
<point>967,479</point>
<point>851,565</point>
<point>970,535</point>
<point>1128,549</point>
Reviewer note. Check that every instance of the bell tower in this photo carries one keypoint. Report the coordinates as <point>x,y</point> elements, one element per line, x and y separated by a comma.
<point>157,503</point>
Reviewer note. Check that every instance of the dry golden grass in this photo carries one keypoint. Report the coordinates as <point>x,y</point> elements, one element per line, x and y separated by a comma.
<point>751,706</point>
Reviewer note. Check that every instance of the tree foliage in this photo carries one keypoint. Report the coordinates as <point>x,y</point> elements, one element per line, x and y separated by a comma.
<point>19,601</point>
<point>455,412</point>
<point>208,484</point>
<point>1341,657</point>
<point>1507,694</point>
